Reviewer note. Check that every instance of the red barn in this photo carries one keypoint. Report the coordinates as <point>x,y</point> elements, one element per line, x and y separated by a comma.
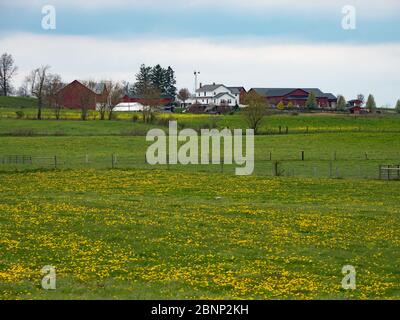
<point>298,96</point>
<point>76,95</point>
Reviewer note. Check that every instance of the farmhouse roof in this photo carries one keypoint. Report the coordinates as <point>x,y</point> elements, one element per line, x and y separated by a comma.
<point>236,90</point>
<point>209,87</point>
<point>219,95</point>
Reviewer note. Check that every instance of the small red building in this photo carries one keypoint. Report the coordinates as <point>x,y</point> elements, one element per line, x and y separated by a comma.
<point>355,106</point>
<point>164,100</point>
<point>298,96</point>
<point>76,95</point>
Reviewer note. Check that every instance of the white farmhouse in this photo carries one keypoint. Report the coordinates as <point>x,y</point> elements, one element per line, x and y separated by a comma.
<point>216,94</point>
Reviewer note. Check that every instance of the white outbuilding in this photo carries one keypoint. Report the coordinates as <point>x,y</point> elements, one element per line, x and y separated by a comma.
<point>129,107</point>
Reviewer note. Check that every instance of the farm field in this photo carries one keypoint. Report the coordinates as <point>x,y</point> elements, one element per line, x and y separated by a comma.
<point>182,232</point>
<point>149,234</point>
<point>301,123</point>
<point>339,155</point>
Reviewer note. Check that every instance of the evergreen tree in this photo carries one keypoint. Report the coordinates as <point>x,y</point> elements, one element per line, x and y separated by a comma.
<point>398,106</point>
<point>170,84</point>
<point>371,105</point>
<point>341,103</point>
<point>144,81</point>
<point>158,78</point>
<point>311,101</point>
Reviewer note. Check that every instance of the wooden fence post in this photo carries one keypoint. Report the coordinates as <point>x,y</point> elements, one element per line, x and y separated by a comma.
<point>302,156</point>
<point>167,160</point>
<point>276,168</point>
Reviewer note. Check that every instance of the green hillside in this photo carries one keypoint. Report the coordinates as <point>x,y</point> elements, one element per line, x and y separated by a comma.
<point>17,102</point>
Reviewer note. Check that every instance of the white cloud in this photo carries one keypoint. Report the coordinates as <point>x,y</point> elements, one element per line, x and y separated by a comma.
<point>338,68</point>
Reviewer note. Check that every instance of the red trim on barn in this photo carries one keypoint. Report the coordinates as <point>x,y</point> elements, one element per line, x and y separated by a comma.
<point>162,101</point>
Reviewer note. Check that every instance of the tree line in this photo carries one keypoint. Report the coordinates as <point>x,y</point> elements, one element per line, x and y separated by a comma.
<point>151,83</point>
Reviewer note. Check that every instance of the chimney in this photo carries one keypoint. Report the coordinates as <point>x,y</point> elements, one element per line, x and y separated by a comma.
<point>201,85</point>
<point>213,83</point>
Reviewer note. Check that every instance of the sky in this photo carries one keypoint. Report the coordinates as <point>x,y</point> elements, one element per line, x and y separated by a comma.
<point>252,43</point>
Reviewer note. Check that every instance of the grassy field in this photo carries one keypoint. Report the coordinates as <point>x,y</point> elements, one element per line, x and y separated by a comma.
<point>145,234</point>
<point>273,124</point>
<point>139,232</point>
<point>358,155</point>
<point>15,103</point>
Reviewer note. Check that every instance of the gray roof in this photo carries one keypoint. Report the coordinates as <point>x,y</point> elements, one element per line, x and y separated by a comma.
<point>235,90</point>
<point>209,87</point>
<point>330,96</point>
<point>222,94</point>
<point>279,92</point>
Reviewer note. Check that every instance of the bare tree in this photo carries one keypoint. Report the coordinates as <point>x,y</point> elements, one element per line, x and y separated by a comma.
<point>256,110</point>
<point>23,90</point>
<point>115,93</point>
<point>87,97</point>
<point>37,81</point>
<point>151,101</point>
<point>184,95</point>
<point>7,71</point>
<point>103,104</point>
<point>361,97</point>
<point>52,87</point>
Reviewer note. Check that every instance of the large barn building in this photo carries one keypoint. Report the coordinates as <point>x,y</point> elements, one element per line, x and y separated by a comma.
<point>76,95</point>
<point>298,96</point>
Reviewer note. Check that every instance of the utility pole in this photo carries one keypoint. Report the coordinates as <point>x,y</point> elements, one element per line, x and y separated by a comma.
<point>196,73</point>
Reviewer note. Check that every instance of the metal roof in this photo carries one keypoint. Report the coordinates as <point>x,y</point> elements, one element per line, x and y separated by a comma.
<point>222,94</point>
<point>209,87</point>
<point>280,92</point>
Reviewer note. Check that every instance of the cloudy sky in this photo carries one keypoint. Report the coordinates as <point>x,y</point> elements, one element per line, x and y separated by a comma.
<point>252,43</point>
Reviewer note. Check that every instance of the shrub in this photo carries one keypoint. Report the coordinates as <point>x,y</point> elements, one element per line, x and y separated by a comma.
<point>20,114</point>
<point>23,132</point>
<point>135,117</point>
